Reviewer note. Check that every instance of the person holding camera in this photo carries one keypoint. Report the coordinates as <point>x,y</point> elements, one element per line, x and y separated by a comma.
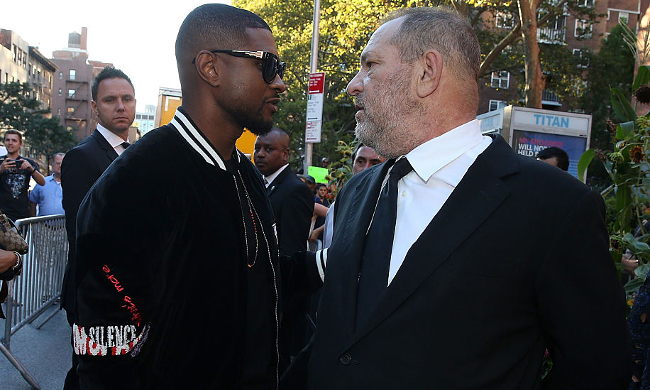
<point>15,172</point>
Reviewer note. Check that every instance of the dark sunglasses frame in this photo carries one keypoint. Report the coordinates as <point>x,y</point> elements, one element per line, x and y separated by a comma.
<point>271,65</point>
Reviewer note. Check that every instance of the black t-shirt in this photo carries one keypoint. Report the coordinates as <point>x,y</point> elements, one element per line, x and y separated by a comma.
<point>13,190</point>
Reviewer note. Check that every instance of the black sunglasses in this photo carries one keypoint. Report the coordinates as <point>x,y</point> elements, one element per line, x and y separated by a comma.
<point>271,65</point>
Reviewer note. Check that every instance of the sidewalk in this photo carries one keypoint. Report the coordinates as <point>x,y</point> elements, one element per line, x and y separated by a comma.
<point>45,353</point>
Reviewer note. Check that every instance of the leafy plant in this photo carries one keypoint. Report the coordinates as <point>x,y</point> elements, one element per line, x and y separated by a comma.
<point>628,167</point>
<point>340,171</point>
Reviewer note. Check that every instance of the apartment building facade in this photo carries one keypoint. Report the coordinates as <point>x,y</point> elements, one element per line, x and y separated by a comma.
<point>72,82</point>
<point>500,88</point>
<point>20,62</point>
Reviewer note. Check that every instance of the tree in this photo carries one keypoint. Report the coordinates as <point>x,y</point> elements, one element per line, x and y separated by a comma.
<point>344,30</point>
<point>346,26</point>
<point>527,17</point>
<point>20,111</point>
<point>611,67</point>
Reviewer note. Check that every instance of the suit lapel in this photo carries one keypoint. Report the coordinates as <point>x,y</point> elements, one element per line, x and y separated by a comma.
<point>278,181</point>
<point>478,194</point>
<point>104,145</point>
<point>347,250</point>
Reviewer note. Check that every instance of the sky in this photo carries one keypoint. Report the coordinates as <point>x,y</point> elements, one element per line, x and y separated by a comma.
<point>137,36</point>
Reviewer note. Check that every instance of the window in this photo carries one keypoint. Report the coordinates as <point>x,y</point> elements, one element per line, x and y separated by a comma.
<point>500,79</point>
<point>58,112</point>
<point>557,23</point>
<point>60,91</point>
<point>73,74</point>
<point>29,70</point>
<point>583,60</point>
<point>497,104</point>
<point>71,93</point>
<point>623,17</point>
<point>504,19</point>
<point>60,75</point>
<point>583,29</point>
<point>588,3</point>
<point>70,110</point>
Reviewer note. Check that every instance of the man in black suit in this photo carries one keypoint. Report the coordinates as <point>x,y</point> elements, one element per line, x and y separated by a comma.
<point>495,257</point>
<point>114,106</point>
<point>293,207</point>
<point>292,201</point>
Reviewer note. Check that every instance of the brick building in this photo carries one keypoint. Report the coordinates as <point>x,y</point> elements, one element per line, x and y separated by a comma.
<point>72,83</point>
<point>500,88</point>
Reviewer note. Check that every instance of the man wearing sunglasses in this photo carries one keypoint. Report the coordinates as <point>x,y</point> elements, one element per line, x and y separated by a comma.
<point>180,290</point>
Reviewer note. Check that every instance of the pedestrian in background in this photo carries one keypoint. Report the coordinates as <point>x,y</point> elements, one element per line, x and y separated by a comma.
<point>15,174</point>
<point>114,107</point>
<point>48,197</point>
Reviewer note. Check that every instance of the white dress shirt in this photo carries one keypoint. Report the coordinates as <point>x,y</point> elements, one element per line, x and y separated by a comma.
<point>114,140</point>
<point>438,167</point>
<point>269,179</point>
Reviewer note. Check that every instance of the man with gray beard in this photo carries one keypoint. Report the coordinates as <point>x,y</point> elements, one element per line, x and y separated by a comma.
<point>456,264</point>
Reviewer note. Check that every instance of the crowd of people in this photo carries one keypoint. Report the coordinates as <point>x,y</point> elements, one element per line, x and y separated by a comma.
<point>447,261</point>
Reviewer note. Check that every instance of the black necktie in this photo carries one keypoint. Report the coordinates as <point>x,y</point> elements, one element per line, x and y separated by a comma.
<point>125,145</point>
<point>379,244</point>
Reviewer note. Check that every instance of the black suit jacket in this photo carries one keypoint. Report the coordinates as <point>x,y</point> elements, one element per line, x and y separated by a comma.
<point>293,207</point>
<point>81,167</point>
<point>515,262</point>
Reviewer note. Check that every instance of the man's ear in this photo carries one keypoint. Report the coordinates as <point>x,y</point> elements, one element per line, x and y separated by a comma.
<point>285,156</point>
<point>207,66</point>
<point>93,105</point>
<point>429,72</point>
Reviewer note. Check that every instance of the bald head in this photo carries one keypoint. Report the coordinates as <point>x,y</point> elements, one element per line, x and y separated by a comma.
<point>212,26</point>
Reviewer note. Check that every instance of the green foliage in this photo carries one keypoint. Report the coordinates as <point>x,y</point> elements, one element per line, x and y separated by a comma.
<point>611,67</point>
<point>628,167</point>
<point>345,27</point>
<point>20,111</point>
<point>341,170</point>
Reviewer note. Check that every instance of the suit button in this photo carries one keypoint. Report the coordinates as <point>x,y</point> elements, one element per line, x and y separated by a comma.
<point>345,359</point>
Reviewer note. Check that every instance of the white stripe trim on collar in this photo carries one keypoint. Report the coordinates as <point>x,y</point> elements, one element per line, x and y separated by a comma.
<point>191,142</point>
<point>203,147</point>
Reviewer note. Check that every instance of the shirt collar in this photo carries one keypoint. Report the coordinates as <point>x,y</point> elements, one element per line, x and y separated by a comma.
<point>435,154</point>
<point>269,179</point>
<point>197,140</point>
<point>113,139</point>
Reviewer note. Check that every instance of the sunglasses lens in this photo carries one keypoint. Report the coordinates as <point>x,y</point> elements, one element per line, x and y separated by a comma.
<point>272,67</point>
<point>281,68</point>
<point>269,70</point>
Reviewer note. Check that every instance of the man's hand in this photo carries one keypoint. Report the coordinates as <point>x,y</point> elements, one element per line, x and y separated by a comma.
<point>6,164</point>
<point>26,166</point>
<point>7,259</point>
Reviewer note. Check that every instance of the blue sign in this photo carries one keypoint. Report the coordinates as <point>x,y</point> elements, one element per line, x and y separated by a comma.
<point>529,143</point>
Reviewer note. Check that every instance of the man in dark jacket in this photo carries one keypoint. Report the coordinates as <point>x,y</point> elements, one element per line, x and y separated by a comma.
<point>114,106</point>
<point>293,207</point>
<point>180,290</point>
<point>456,263</point>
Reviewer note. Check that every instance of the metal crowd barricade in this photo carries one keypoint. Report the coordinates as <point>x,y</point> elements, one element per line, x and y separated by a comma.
<point>39,286</point>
